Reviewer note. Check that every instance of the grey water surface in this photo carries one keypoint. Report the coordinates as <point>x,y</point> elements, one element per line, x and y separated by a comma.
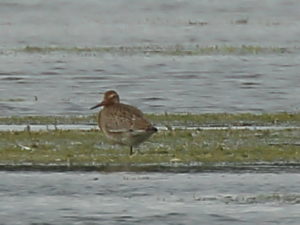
<point>39,81</point>
<point>149,198</point>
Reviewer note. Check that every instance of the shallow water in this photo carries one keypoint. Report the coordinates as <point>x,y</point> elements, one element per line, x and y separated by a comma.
<point>120,40</point>
<point>68,81</point>
<point>149,198</point>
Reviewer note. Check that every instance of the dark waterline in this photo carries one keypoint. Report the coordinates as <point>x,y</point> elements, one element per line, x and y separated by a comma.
<point>173,167</point>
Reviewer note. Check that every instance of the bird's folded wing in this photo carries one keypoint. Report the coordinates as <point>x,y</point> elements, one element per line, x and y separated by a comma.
<point>127,124</point>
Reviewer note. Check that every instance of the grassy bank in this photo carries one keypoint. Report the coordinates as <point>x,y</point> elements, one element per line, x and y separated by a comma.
<point>77,148</point>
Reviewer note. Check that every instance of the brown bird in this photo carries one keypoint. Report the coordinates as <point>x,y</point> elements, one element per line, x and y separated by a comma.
<point>121,123</point>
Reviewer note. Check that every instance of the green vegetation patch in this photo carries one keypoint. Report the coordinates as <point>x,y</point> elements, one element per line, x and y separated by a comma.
<point>47,120</point>
<point>12,100</point>
<point>170,120</point>
<point>226,119</point>
<point>90,148</point>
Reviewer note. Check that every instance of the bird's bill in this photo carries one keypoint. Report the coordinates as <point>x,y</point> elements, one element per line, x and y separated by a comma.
<point>98,105</point>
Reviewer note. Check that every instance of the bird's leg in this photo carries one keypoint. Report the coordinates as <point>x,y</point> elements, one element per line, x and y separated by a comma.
<point>131,150</point>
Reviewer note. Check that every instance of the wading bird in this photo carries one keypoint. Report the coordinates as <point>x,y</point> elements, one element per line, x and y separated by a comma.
<point>121,123</point>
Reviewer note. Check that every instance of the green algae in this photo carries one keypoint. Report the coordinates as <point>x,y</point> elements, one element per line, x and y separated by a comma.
<point>48,120</point>
<point>12,100</point>
<point>226,119</point>
<point>169,120</point>
<point>89,148</point>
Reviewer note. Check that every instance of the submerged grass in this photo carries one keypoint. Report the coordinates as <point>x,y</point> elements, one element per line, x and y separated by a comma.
<point>89,148</point>
<point>163,50</point>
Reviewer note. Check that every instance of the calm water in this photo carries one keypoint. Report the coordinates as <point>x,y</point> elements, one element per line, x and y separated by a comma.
<point>69,82</point>
<point>150,198</point>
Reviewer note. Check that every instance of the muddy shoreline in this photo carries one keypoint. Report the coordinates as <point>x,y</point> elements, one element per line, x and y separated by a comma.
<point>261,167</point>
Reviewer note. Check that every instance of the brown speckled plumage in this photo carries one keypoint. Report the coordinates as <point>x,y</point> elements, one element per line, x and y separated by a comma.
<point>121,123</point>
